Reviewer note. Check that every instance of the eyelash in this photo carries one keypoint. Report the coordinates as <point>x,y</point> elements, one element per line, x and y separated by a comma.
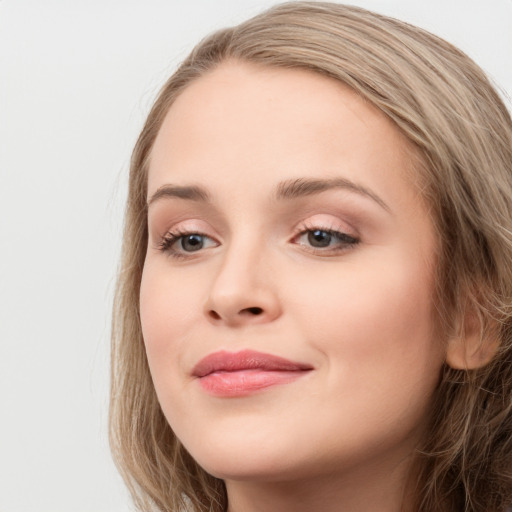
<point>345,241</point>
<point>171,237</point>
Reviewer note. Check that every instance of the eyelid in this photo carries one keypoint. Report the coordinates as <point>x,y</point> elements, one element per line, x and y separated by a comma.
<point>169,234</point>
<point>344,237</point>
<point>326,222</point>
<point>184,226</point>
<point>168,241</point>
<point>342,233</point>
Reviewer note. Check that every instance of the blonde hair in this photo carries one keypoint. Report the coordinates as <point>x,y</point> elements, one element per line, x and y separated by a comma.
<point>444,104</point>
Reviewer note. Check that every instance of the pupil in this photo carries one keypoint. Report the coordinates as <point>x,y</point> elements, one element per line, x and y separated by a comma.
<point>319,238</point>
<point>192,242</point>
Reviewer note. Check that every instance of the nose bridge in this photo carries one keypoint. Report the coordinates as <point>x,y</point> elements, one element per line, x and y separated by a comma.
<point>243,290</point>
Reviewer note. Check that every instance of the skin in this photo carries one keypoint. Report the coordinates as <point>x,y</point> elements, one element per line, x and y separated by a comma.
<point>360,313</point>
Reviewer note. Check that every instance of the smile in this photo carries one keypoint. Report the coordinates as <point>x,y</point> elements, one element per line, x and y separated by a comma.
<point>228,374</point>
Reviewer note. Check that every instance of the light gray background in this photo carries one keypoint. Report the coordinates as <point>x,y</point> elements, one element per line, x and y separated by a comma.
<point>76,80</point>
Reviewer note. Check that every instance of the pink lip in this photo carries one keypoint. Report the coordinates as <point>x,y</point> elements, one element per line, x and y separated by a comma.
<point>231,374</point>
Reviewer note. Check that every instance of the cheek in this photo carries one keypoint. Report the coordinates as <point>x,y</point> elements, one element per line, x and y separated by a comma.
<point>168,310</point>
<point>375,321</point>
<point>375,331</point>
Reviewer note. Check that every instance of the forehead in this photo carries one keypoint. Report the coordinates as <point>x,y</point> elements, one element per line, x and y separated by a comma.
<point>247,125</point>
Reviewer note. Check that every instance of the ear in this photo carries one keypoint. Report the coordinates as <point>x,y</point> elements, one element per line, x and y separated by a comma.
<point>475,344</point>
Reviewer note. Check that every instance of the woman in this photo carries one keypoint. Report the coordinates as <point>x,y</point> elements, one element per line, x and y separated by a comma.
<point>313,309</point>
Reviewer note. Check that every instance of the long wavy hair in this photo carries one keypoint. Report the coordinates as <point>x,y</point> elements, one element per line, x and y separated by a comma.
<point>446,106</point>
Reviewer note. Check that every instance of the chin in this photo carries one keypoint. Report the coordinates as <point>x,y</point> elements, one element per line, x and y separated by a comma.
<point>255,461</point>
<point>251,469</point>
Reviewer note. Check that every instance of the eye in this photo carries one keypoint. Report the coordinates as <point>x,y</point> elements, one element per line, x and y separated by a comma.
<point>192,242</point>
<point>180,244</point>
<point>325,240</point>
<point>319,238</point>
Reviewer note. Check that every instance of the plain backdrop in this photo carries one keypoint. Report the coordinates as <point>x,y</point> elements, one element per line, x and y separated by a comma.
<point>77,78</point>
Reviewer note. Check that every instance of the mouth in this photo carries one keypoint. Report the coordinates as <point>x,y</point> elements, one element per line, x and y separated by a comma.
<point>235,374</point>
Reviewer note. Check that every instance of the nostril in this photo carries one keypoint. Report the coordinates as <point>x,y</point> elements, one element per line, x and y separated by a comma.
<point>214,314</point>
<point>254,311</point>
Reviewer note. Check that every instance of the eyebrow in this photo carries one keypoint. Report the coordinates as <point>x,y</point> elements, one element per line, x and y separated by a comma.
<point>301,187</point>
<point>190,192</point>
<point>289,189</point>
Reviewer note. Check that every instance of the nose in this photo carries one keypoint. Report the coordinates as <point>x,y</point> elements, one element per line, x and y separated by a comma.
<point>244,291</point>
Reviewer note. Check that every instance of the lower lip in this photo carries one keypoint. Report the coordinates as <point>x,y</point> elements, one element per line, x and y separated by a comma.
<point>246,382</point>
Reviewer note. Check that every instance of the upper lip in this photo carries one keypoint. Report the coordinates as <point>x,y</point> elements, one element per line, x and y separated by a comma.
<point>224,361</point>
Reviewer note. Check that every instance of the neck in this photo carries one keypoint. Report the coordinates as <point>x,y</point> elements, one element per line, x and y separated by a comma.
<point>381,488</point>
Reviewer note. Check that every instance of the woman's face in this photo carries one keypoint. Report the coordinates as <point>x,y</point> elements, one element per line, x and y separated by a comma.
<point>287,293</point>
